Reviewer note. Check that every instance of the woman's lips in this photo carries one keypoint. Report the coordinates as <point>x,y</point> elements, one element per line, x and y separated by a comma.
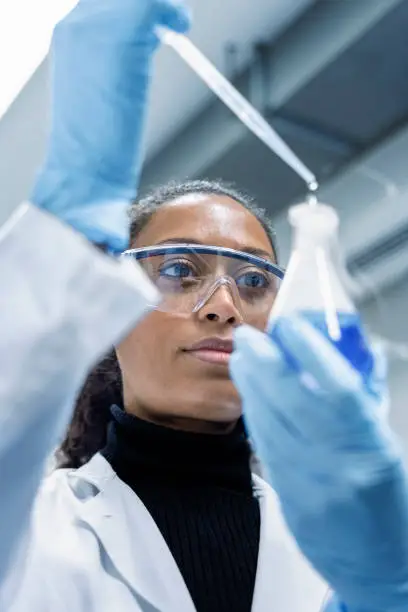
<point>211,356</point>
<point>212,350</point>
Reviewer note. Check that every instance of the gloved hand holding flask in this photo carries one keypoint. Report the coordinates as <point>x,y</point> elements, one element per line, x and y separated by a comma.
<point>314,400</point>
<point>101,63</point>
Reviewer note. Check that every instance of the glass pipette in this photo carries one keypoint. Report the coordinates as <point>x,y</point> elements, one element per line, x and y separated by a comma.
<point>236,102</point>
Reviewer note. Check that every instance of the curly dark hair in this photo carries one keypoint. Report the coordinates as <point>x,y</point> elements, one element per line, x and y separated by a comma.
<point>87,431</point>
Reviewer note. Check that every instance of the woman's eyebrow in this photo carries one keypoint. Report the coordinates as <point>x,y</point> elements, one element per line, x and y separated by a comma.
<point>244,249</point>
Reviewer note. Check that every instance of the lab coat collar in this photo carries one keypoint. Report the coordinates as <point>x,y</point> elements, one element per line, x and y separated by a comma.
<point>272,568</point>
<point>131,539</point>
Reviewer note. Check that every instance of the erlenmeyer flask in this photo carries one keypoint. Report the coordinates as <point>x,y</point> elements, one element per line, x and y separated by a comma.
<point>313,287</point>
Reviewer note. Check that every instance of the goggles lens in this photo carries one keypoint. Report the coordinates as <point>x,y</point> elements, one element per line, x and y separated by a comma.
<point>188,276</point>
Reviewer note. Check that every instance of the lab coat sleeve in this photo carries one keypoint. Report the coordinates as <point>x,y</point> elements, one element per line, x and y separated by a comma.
<point>62,305</point>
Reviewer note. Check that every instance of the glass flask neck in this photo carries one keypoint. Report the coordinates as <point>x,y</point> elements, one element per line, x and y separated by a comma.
<point>312,280</point>
<point>314,226</point>
<point>313,287</point>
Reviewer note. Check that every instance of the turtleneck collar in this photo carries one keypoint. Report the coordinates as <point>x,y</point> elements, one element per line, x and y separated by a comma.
<point>146,454</point>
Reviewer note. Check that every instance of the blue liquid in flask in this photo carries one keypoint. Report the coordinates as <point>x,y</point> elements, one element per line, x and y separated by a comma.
<point>311,265</point>
<point>352,343</point>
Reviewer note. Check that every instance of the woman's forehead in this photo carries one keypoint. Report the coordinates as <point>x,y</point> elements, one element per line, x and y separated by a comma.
<point>207,219</point>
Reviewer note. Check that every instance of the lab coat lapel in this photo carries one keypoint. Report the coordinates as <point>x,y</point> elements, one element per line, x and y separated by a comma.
<point>132,541</point>
<point>130,538</point>
<point>284,580</point>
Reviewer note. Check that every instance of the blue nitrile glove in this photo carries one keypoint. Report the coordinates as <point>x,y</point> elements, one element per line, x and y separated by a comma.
<point>335,605</point>
<point>331,458</point>
<point>101,63</point>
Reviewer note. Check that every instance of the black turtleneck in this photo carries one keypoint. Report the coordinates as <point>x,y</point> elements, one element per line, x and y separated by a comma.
<point>198,489</point>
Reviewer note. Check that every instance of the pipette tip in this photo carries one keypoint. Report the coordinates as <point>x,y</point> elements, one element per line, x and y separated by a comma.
<point>312,187</point>
<point>311,199</point>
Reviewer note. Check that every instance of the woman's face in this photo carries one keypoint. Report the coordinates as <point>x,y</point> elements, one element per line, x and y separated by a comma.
<point>163,380</point>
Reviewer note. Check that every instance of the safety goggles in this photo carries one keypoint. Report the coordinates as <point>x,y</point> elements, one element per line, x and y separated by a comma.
<point>189,275</point>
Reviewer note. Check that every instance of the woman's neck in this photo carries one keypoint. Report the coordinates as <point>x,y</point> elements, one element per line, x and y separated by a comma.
<point>148,454</point>
<point>181,423</point>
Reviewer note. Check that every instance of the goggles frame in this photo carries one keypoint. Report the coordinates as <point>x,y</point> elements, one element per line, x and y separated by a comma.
<point>139,254</point>
<point>200,249</point>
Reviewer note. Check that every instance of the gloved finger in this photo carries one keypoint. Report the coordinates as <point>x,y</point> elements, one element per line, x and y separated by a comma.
<point>377,384</point>
<point>267,420</point>
<point>266,431</point>
<point>259,363</point>
<point>334,605</point>
<point>378,378</point>
<point>110,226</point>
<point>173,15</point>
<point>251,346</point>
<point>300,448</point>
<point>380,361</point>
<point>256,345</point>
<point>281,437</point>
<point>260,374</point>
<point>338,417</point>
<point>324,417</point>
<point>259,370</point>
<point>315,355</point>
<point>289,465</point>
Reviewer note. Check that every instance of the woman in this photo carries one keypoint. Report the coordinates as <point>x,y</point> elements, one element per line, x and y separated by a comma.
<point>164,419</point>
<point>121,531</point>
<point>168,405</point>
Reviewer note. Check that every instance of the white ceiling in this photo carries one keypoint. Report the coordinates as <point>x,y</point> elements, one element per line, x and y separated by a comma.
<point>25,32</point>
<point>177,94</point>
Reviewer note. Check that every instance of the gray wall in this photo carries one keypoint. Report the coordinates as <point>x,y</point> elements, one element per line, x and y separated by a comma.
<point>388,316</point>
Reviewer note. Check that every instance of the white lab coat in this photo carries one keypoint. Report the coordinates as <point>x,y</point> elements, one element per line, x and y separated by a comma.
<point>95,548</point>
<point>82,541</point>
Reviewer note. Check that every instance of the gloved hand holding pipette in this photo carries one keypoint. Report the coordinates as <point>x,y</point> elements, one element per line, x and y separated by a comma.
<point>315,402</point>
<point>98,111</point>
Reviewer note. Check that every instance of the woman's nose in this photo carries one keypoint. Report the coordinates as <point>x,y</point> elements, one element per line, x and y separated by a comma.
<point>221,307</point>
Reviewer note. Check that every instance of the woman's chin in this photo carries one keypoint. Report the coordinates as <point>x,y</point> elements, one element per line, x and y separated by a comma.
<point>222,412</point>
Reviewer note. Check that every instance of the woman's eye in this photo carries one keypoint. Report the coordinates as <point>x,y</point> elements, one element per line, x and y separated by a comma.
<point>252,280</point>
<point>176,270</point>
